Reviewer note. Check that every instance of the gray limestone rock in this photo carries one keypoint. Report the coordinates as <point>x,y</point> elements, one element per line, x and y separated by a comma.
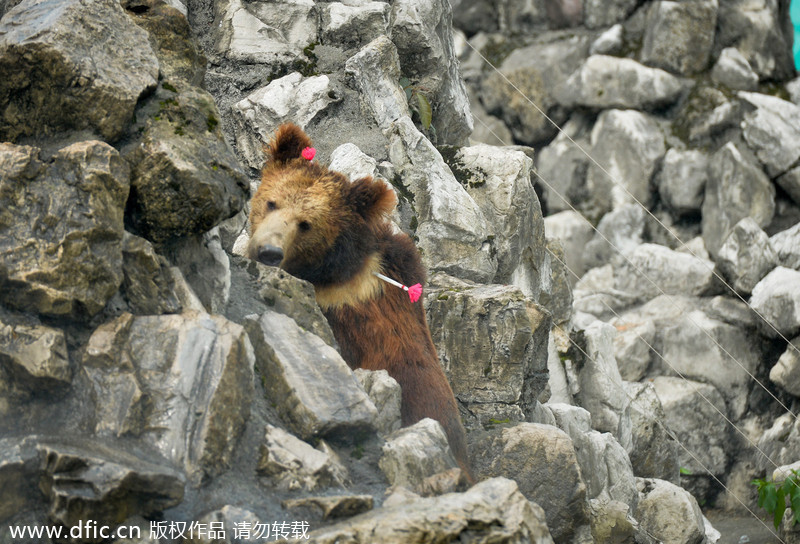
<point>661,504</point>
<point>601,390</point>
<point>619,233</point>
<point>385,394</point>
<point>790,182</point>
<point>574,232</point>
<point>612,82</point>
<point>92,481</point>
<point>353,25</point>
<point>453,232</point>
<point>628,144</point>
<point>292,464</point>
<point>746,256</point>
<point>61,224</point>
<point>536,71</point>
<point>757,31</point>
<point>182,383</point>
<point>787,245</point>
<point>147,285</point>
<point>19,477</point>
<point>786,372</point>
<point>206,267</point>
<point>492,342</point>
<point>652,270</point>
<point>290,98</point>
<point>772,130</point>
<point>312,387</point>
<point>264,32</point>
<point>694,412</point>
<point>71,65</point>
<point>491,511</point>
<point>777,298</point>
<point>736,188</point>
<point>498,180</point>
<point>414,453</point>
<point>655,452</point>
<point>733,71</point>
<point>422,31</point>
<point>542,460</point>
<point>185,178</point>
<point>35,358</point>
<point>603,13</point>
<point>679,36</point>
<point>682,180</point>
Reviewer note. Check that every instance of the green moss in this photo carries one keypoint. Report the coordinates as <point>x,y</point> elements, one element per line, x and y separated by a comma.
<point>211,122</point>
<point>357,452</point>
<point>497,49</point>
<point>466,177</point>
<point>414,223</point>
<point>443,296</point>
<point>169,87</point>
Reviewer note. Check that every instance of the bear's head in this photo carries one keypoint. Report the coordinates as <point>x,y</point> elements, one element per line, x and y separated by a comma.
<point>313,222</point>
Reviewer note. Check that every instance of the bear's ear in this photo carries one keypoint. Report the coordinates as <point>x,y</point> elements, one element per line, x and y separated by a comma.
<point>288,143</point>
<point>371,198</point>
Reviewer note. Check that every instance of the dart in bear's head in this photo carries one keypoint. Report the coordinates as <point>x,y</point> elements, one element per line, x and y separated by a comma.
<point>317,225</point>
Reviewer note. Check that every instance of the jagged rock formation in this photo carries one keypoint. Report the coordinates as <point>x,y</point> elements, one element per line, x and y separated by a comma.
<point>150,376</point>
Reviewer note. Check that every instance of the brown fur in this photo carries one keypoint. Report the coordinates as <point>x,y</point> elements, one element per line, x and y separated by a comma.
<point>335,234</point>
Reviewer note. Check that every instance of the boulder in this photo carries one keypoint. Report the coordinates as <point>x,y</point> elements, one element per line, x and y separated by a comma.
<point>206,267</point>
<point>290,98</point>
<point>492,343</point>
<point>655,452</point>
<point>652,270</point>
<point>746,256</point>
<point>604,463</point>
<point>542,460</point>
<point>736,188</point>
<point>313,389</point>
<point>574,232</point>
<point>780,444</point>
<point>292,464</point>
<point>601,391</point>
<point>682,180</point>
<point>336,506</point>
<point>275,33</point>
<point>786,372</point>
<point>628,144</point>
<point>604,82</point>
<point>353,25</point>
<point>19,477</point>
<point>51,88</point>
<point>661,504</point>
<point>787,246</point>
<point>185,178</point>
<point>757,31</point>
<point>148,283</point>
<point>183,383</point>
<point>491,511</point>
<point>453,232</point>
<point>536,71</point>
<point>777,299</point>
<point>678,36</point>
<point>733,71</point>
<point>696,414</point>
<point>790,182</point>
<point>385,394</point>
<point>35,358</point>
<point>61,224</point>
<point>90,481</point>
<point>422,31</point>
<point>601,13</point>
<point>414,453</point>
<point>618,234</point>
<point>498,180</point>
<point>772,130</point>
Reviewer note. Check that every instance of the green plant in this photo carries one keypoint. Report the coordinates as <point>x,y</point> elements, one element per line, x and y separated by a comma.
<point>773,498</point>
<point>418,102</point>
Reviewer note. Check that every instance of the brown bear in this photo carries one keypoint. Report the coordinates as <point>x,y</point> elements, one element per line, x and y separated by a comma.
<point>317,225</point>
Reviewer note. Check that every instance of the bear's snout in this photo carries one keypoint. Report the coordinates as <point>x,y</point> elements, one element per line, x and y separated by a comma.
<point>269,255</point>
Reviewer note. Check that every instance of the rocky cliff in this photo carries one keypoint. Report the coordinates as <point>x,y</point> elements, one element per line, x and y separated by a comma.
<point>615,361</point>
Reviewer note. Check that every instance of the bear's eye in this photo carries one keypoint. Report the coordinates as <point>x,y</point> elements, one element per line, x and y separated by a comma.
<point>271,205</point>
<point>304,226</point>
